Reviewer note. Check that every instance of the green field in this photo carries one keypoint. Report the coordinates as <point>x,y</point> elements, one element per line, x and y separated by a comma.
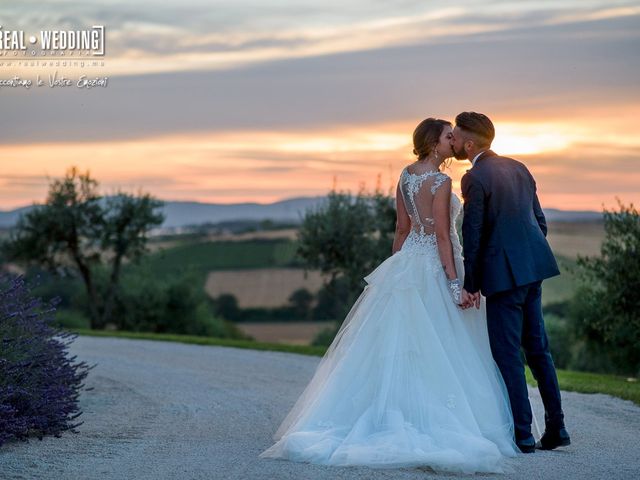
<point>562,287</point>
<point>202,257</point>
<point>568,240</point>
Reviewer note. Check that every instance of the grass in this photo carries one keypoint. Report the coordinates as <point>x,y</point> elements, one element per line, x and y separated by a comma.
<point>585,382</point>
<point>196,340</point>
<point>581,382</point>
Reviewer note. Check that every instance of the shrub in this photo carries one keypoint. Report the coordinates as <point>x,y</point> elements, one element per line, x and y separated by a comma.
<point>559,340</point>
<point>72,319</point>
<point>333,300</point>
<point>176,305</point>
<point>605,312</point>
<point>298,309</point>
<point>39,383</point>
<point>325,336</point>
<point>226,306</point>
<point>301,301</point>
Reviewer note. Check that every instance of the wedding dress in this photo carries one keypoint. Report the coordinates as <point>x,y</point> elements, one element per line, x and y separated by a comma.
<point>409,379</point>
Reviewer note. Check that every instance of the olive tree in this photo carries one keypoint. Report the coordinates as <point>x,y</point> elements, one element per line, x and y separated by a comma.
<point>79,231</point>
<point>605,312</point>
<point>347,236</point>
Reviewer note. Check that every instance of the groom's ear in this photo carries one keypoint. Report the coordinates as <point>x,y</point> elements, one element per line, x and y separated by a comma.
<point>468,144</point>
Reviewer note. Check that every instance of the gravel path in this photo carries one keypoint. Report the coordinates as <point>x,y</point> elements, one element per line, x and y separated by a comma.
<point>162,410</point>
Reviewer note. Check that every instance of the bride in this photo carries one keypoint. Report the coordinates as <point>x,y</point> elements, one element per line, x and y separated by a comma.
<point>409,379</point>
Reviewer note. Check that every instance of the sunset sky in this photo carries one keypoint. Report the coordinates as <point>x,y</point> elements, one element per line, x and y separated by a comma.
<point>234,101</point>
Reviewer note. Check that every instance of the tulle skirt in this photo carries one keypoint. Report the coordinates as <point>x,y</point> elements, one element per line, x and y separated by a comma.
<point>409,380</point>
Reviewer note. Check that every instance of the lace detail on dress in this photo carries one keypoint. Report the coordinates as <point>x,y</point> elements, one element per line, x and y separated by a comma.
<point>420,243</point>
<point>456,209</point>
<point>418,191</point>
<point>411,184</point>
<point>440,179</point>
<point>414,180</point>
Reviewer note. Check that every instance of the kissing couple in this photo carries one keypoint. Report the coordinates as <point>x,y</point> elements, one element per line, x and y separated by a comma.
<point>426,368</point>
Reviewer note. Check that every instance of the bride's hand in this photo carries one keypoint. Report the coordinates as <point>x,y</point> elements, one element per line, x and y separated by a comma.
<point>466,299</point>
<point>455,290</point>
<point>476,299</point>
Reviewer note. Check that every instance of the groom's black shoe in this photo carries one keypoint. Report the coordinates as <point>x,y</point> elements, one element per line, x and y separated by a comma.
<point>527,446</point>
<point>554,439</point>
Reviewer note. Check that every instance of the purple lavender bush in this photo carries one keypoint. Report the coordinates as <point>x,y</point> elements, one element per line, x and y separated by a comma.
<point>39,382</point>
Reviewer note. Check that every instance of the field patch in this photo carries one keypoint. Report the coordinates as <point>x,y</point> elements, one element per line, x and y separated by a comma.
<point>262,287</point>
<point>572,238</point>
<point>290,333</point>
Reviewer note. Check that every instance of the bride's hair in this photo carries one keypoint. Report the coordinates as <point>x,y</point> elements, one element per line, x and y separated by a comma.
<point>426,136</point>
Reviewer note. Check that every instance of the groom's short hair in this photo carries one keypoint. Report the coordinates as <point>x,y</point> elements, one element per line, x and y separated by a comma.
<point>478,125</point>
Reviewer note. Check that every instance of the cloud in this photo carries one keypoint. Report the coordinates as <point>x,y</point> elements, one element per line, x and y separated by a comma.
<point>586,176</point>
<point>291,95</point>
<point>194,35</point>
<point>15,182</point>
<point>538,75</point>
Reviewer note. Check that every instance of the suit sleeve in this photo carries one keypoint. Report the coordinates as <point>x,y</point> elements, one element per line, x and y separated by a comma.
<point>472,223</point>
<point>537,210</point>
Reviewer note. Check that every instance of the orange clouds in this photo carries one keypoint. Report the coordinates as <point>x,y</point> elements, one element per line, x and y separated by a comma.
<point>225,167</point>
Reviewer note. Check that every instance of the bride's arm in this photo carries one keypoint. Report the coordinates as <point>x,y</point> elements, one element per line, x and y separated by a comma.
<point>442,220</point>
<point>403,222</point>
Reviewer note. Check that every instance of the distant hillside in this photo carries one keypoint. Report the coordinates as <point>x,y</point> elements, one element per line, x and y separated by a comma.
<point>292,210</point>
<point>180,214</point>
<point>9,218</point>
<point>554,215</point>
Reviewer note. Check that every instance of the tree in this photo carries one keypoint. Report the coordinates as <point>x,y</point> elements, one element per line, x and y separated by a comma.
<point>331,300</point>
<point>301,301</point>
<point>79,231</point>
<point>226,305</point>
<point>605,312</point>
<point>348,236</point>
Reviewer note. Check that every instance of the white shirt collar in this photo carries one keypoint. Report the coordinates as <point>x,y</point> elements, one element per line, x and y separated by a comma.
<point>473,162</point>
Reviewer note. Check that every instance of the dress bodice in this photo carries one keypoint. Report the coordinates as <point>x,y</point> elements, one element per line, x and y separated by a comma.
<point>418,192</point>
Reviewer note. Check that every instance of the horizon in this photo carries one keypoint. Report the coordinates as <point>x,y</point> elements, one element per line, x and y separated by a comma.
<point>271,203</point>
<point>225,104</point>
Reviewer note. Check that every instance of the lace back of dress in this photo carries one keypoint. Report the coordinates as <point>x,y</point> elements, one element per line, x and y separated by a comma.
<point>418,191</point>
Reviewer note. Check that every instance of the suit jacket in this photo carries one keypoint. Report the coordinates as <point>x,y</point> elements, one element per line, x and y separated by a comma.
<point>504,230</point>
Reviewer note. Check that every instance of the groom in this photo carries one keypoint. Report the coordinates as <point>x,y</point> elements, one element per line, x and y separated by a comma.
<point>506,257</point>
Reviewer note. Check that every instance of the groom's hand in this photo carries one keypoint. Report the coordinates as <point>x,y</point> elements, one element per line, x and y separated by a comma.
<point>466,299</point>
<point>476,298</point>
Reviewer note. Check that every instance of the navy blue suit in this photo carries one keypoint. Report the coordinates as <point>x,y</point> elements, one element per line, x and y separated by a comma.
<point>506,257</point>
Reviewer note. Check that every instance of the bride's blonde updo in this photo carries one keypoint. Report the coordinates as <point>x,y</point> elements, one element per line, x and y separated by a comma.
<point>426,136</point>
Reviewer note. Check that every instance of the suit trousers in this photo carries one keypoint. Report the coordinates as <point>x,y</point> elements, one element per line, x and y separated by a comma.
<point>514,320</point>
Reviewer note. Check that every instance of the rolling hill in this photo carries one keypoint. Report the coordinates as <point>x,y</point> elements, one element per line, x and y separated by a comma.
<point>181,214</point>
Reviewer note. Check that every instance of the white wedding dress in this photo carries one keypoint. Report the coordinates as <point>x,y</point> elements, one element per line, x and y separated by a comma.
<point>409,379</point>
